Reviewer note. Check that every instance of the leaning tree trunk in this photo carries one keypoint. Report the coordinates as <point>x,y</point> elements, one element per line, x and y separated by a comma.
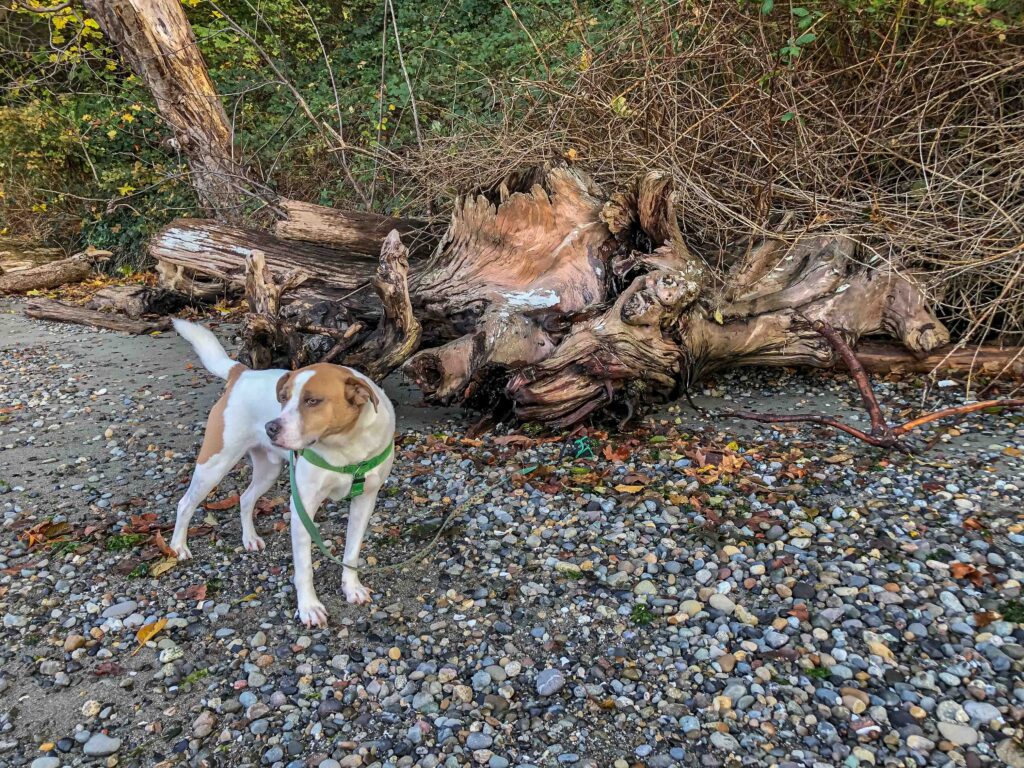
<point>155,39</point>
<point>554,298</point>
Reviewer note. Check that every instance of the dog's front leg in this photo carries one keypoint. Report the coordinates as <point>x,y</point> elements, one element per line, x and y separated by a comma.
<point>358,519</point>
<point>311,611</point>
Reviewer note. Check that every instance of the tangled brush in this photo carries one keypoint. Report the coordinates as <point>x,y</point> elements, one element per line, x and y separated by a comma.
<point>902,132</point>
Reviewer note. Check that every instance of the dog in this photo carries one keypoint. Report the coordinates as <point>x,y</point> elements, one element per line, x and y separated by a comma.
<point>273,415</point>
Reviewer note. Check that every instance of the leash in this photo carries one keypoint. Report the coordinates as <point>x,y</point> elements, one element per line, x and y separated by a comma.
<point>358,471</point>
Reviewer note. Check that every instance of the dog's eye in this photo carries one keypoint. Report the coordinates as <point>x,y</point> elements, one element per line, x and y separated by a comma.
<point>311,401</point>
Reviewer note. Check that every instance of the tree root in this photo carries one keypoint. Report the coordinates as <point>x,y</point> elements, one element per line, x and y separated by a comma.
<point>882,435</point>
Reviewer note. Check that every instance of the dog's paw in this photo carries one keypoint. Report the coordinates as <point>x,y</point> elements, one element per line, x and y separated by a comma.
<point>312,613</point>
<point>254,543</point>
<point>181,551</point>
<point>356,594</point>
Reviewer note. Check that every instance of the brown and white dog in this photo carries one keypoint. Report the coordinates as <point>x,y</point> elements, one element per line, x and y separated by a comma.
<point>343,415</point>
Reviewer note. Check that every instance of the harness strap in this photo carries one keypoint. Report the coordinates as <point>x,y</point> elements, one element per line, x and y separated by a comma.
<point>358,472</point>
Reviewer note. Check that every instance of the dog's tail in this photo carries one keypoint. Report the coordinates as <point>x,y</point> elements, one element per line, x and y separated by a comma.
<point>210,351</point>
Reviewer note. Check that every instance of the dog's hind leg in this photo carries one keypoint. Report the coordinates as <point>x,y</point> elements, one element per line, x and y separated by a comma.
<point>204,479</point>
<point>265,469</point>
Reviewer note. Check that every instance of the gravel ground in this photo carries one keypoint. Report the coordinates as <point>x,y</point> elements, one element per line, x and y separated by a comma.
<point>699,593</point>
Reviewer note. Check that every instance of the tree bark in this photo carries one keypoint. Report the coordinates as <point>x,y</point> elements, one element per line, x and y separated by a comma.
<point>44,309</point>
<point>264,336</point>
<point>352,231</point>
<point>213,249</point>
<point>155,39</point>
<point>399,331</point>
<point>53,274</point>
<point>138,300</point>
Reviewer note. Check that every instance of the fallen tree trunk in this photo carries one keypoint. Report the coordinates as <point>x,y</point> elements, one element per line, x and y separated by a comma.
<point>44,309</point>
<point>53,274</point>
<point>352,231</point>
<point>190,248</point>
<point>548,295</point>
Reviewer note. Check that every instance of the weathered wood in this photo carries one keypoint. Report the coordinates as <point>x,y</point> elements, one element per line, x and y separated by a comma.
<point>45,309</point>
<point>53,274</point>
<point>216,250</point>
<point>353,231</point>
<point>882,358</point>
<point>561,301</point>
<point>156,41</point>
<point>265,338</point>
<point>399,331</point>
<point>137,300</point>
<point>202,288</point>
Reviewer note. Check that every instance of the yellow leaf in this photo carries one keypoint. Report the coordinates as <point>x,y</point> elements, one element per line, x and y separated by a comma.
<point>161,567</point>
<point>629,488</point>
<point>718,317</point>
<point>148,632</point>
<point>125,189</point>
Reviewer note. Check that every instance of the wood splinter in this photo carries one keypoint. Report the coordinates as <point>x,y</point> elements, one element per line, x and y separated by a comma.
<point>882,435</point>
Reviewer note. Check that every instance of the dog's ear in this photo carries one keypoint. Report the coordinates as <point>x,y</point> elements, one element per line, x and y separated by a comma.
<point>358,392</point>
<point>282,387</point>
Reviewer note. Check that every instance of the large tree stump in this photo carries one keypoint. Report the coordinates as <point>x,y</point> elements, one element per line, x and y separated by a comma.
<point>553,297</point>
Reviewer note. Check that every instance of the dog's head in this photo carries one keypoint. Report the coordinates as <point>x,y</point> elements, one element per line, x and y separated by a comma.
<point>317,402</point>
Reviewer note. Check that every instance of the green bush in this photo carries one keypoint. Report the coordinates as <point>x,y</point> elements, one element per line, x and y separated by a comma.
<point>84,156</point>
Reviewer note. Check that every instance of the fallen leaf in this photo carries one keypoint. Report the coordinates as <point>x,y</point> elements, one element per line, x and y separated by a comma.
<point>522,440</point>
<point>800,612</point>
<point>227,503</point>
<point>108,669</point>
<point>973,524</point>
<point>961,570</point>
<point>619,453</point>
<point>158,540</point>
<point>148,632</point>
<point>839,458</point>
<point>985,618</point>
<point>629,488</point>
<point>194,592</point>
<point>162,566</point>
<point>1011,451</point>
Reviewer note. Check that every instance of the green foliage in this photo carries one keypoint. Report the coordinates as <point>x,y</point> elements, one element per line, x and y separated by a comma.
<point>85,156</point>
<point>641,615</point>
<point>124,542</point>
<point>1013,611</point>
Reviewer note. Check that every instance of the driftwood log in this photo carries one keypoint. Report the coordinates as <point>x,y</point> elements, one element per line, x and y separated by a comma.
<point>45,309</point>
<point>556,299</point>
<point>137,300</point>
<point>353,231</point>
<point>52,274</point>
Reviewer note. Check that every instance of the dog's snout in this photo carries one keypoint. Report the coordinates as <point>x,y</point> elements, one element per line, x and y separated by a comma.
<point>273,428</point>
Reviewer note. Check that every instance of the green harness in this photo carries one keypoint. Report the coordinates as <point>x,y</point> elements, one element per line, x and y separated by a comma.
<point>358,472</point>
